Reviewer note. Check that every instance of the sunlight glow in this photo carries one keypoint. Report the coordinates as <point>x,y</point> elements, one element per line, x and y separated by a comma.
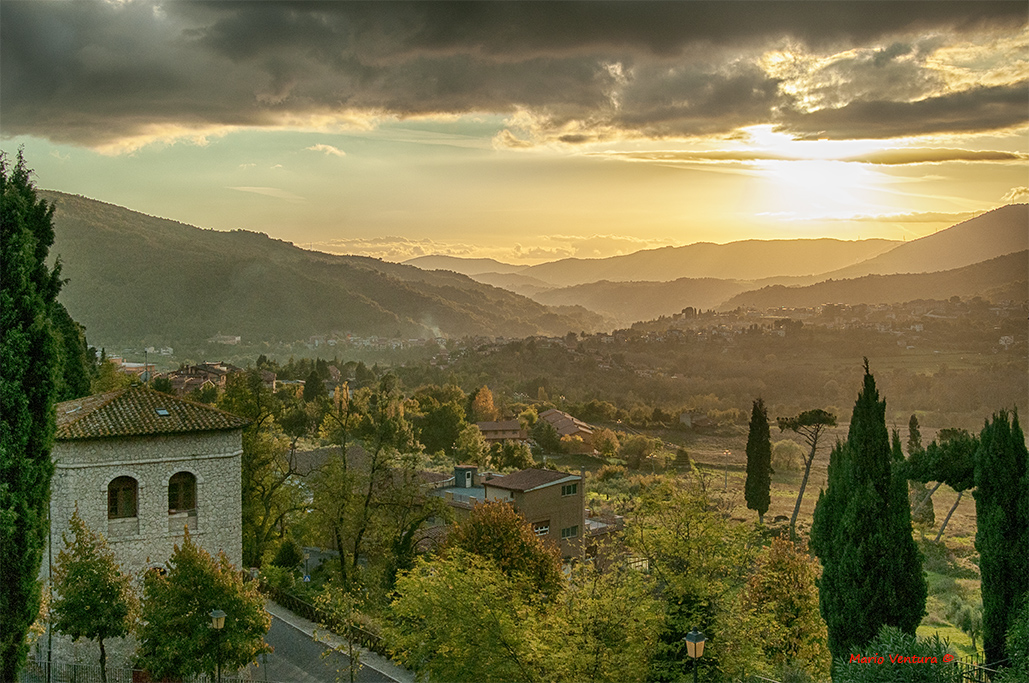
<point>816,189</point>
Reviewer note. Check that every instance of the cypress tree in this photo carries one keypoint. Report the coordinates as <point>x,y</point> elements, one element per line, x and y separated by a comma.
<point>1002,536</point>
<point>759,462</point>
<point>29,360</point>
<point>872,571</point>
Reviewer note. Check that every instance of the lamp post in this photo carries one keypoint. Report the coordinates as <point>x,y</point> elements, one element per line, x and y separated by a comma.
<point>694,648</point>
<point>218,623</point>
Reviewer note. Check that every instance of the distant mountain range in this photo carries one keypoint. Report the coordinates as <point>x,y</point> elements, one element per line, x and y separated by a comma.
<point>134,277</point>
<point>651,283</point>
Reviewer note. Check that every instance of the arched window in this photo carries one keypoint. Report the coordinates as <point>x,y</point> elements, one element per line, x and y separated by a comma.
<point>182,493</point>
<point>121,498</point>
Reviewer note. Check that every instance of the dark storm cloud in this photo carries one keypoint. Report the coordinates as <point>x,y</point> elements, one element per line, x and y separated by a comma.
<point>961,112</point>
<point>92,73</point>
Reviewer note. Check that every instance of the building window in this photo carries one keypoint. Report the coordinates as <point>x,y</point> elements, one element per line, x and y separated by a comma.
<point>541,528</point>
<point>121,498</point>
<point>182,492</point>
<point>569,489</point>
<point>570,532</point>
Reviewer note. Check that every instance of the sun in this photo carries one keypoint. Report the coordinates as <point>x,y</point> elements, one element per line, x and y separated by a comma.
<point>811,179</point>
<point>809,189</point>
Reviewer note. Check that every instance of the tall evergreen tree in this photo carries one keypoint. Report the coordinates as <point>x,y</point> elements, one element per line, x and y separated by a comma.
<point>872,570</point>
<point>1002,538</point>
<point>29,360</point>
<point>759,462</point>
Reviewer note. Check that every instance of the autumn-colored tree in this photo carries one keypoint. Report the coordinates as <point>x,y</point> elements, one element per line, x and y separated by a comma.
<point>783,596</point>
<point>481,408</point>
<point>93,599</point>
<point>605,442</point>
<point>175,635</point>
<point>602,628</point>
<point>494,530</point>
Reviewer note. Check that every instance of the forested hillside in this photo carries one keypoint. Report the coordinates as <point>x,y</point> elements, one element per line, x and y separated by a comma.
<point>133,276</point>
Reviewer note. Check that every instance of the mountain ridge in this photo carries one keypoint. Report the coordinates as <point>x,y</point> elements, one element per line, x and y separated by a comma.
<point>133,277</point>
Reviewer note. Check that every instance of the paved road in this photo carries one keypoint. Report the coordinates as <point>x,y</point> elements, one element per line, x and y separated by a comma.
<point>299,659</point>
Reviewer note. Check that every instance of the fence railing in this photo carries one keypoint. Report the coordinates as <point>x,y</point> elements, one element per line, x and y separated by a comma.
<point>973,670</point>
<point>351,632</point>
<point>42,671</point>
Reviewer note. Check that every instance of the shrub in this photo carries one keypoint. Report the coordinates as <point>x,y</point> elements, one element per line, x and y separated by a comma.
<point>896,657</point>
<point>289,555</point>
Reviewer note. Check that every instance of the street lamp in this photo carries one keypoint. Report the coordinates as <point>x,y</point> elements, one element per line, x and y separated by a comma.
<point>218,623</point>
<point>695,648</point>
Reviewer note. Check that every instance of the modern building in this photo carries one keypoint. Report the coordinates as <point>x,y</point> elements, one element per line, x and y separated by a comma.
<point>553,503</point>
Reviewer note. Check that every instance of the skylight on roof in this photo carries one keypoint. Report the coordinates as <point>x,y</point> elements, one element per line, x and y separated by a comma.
<point>163,412</point>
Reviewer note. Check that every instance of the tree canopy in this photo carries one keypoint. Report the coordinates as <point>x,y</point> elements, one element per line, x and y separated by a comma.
<point>175,634</point>
<point>29,367</point>
<point>93,600</point>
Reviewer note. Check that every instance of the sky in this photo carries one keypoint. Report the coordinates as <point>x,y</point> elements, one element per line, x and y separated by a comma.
<point>520,131</point>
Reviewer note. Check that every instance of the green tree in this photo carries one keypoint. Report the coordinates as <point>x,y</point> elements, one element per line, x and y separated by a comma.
<point>872,573</point>
<point>545,437</point>
<point>602,628</point>
<point>270,490</point>
<point>440,418</point>
<point>1017,669</point>
<point>461,619</point>
<point>471,447</point>
<point>314,387</point>
<point>495,531</point>
<point>109,377</point>
<point>1002,521</point>
<point>94,600</point>
<point>757,490</point>
<point>175,635</point>
<point>951,461</point>
<point>810,424</point>
<point>512,455</point>
<point>919,495</point>
<point>164,385</point>
<point>29,366</point>
<point>700,560</point>
<point>77,358</point>
<point>783,593</point>
<point>637,449</point>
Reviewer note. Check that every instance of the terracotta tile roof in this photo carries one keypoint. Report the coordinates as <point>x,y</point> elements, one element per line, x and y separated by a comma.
<point>526,480</point>
<point>138,411</point>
